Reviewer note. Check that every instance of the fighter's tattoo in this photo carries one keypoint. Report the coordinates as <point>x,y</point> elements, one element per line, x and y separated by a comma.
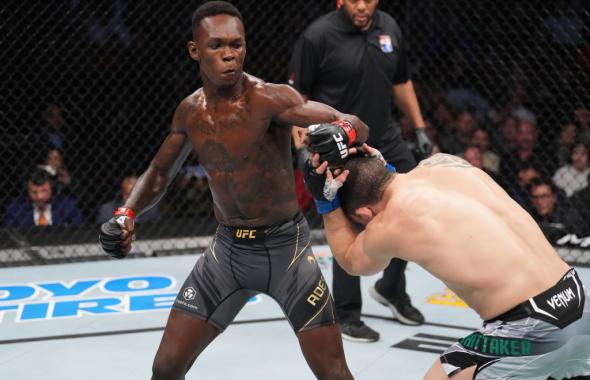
<point>217,160</point>
<point>227,116</point>
<point>205,127</point>
<point>447,160</point>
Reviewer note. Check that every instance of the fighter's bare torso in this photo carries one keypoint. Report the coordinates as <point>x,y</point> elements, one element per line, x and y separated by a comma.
<point>247,160</point>
<point>457,223</point>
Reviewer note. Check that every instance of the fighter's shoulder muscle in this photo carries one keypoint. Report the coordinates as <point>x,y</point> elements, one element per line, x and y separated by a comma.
<point>446,160</point>
<point>184,108</point>
<point>278,97</point>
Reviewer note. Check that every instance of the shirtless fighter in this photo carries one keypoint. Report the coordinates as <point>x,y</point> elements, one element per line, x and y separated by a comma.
<point>262,243</point>
<point>457,223</point>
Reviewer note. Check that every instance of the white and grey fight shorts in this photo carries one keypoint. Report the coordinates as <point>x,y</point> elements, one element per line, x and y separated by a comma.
<point>548,336</point>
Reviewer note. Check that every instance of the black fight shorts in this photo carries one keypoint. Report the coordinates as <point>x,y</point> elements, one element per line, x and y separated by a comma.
<point>244,261</point>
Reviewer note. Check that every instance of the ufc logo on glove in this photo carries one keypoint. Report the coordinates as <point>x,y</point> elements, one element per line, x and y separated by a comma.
<point>341,145</point>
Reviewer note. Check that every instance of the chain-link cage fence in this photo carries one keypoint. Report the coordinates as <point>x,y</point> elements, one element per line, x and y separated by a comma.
<point>89,88</point>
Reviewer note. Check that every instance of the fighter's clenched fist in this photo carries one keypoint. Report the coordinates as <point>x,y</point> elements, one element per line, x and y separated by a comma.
<point>332,140</point>
<point>117,233</point>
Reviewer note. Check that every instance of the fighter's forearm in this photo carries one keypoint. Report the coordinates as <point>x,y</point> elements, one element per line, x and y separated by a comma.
<point>153,183</point>
<point>148,190</point>
<point>406,99</point>
<point>341,236</point>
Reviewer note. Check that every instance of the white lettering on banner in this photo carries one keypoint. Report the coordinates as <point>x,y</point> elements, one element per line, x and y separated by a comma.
<point>561,299</point>
<point>82,297</point>
<point>575,240</point>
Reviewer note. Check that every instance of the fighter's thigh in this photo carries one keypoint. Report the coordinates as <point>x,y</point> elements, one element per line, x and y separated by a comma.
<point>210,287</point>
<point>303,293</point>
<point>323,351</point>
<point>436,372</point>
<point>184,338</point>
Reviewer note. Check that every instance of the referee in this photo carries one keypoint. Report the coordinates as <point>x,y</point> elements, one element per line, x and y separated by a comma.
<point>355,59</point>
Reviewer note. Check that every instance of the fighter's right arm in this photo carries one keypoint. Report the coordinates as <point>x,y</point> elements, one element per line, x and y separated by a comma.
<point>116,234</point>
<point>349,247</point>
<point>153,183</point>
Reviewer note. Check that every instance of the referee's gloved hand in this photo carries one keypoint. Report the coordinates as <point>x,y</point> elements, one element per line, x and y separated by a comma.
<point>116,234</point>
<point>423,142</point>
<point>322,185</point>
<point>332,140</point>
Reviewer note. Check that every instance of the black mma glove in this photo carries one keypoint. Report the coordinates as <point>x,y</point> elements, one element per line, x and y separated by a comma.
<point>109,235</point>
<point>332,140</point>
<point>423,142</point>
<point>323,190</point>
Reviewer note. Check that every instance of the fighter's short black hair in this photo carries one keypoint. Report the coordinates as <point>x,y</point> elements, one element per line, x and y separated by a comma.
<point>365,183</point>
<point>213,8</point>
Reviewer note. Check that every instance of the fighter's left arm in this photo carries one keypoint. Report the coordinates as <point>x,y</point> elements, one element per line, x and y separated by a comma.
<point>351,248</point>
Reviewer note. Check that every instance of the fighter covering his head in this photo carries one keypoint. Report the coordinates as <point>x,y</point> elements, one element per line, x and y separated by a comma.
<point>456,222</point>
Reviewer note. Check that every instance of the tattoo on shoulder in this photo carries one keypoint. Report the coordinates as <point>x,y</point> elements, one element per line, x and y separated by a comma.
<point>443,159</point>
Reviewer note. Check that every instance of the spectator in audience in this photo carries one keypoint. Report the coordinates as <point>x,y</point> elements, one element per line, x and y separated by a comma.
<point>52,126</point>
<point>519,189</point>
<point>452,138</point>
<point>442,117</point>
<point>582,120</point>
<point>580,202</point>
<point>465,125</point>
<point>551,213</point>
<point>41,207</point>
<point>54,165</point>
<point>472,154</point>
<point>517,103</point>
<point>567,139</point>
<point>106,210</point>
<point>490,160</point>
<point>506,135</point>
<point>574,176</point>
<point>527,150</point>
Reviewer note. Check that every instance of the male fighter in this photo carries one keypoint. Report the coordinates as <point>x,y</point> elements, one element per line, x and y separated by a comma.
<point>262,243</point>
<point>455,221</point>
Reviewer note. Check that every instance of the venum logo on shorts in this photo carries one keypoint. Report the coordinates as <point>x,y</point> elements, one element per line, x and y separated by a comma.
<point>189,293</point>
<point>561,299</point>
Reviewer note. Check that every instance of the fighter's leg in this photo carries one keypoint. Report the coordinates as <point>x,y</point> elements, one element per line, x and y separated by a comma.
<point>436,372</point>
<point>185,337</point>
<point>323,351</point>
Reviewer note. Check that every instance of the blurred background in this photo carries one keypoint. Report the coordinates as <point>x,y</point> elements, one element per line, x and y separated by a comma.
<point>89,89</point>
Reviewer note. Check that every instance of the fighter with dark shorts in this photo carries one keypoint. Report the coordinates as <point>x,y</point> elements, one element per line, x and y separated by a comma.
<point>240,128</point>
<point>245,261</point>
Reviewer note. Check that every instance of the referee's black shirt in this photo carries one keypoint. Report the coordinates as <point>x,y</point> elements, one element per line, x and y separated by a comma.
<point>353,71</point>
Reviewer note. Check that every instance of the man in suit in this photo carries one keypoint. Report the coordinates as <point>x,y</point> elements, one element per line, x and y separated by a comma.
<point>41,207</point>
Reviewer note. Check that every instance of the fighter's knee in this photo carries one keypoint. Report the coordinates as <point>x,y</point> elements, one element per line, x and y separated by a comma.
<point>165,369</point>
<point>335,371</point>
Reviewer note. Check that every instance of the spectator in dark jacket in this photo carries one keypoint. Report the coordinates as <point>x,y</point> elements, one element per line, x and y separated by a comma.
<point>41,207</point>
